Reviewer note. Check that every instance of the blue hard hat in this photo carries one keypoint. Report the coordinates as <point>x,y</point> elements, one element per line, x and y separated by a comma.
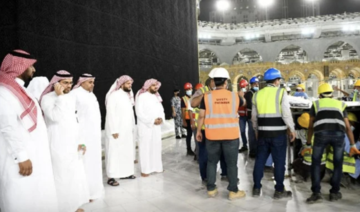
<point>254,80</point>
<point>271,74</point>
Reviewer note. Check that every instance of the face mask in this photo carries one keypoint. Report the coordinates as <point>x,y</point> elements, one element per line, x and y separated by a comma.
<point>256,88</point>
<point>189,92</point>
<point>243,89</point>
<point>352,128</point>
<point>213,88</point>
<point>356,90</point>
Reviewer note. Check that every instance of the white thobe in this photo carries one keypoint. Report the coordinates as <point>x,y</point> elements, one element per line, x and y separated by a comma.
<point>119,120</point>
<point>63,129</point>
<point>19,193</point>
<point>88,113</point>
<point>148,109</point>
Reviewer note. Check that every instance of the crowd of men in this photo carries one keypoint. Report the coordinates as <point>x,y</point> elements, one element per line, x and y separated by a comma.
<point>50,140</point>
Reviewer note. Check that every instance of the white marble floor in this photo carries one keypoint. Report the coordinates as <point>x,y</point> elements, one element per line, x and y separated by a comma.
<point>179,188</point>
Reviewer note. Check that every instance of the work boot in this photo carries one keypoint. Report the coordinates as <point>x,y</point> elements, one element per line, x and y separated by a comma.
<point>190,152</point>
<point>243,149</point>
<point>282,194</point>
<point>213,193</point>
<point>269,169</point>
<point>224,178</point>
<point>315,197</point>
<point>256,192</point>
<point>236,195</point>
<point>335,196</point>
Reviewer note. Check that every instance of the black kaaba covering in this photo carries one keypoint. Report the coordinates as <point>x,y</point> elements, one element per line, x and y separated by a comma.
<point>107,38</point>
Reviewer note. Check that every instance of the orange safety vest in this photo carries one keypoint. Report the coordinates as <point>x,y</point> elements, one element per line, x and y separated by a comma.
<point>186,101</point>
<point>242,111</point>
<point>221,118</point>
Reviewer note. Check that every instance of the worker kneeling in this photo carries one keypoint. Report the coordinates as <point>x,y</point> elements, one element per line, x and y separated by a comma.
<point>218,109</point>
<point>329,123</point>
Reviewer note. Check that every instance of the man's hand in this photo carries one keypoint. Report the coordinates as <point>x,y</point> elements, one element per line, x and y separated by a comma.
<point>354,151</point>
<point>292,136</point>
<point>59,90</point>
<point>82,147</point>
<point>241,93</point>
<point>160,120</point>
<point>25,168</point>
<point>306,149</point>
<point>192,122</point>
<point>184,123</point>
<point>336,88</point>
<point>115,136</point>
<point>174,114</point>
<point>199,136</point>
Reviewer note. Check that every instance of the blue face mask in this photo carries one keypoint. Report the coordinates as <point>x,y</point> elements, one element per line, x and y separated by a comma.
<point>256,88</point>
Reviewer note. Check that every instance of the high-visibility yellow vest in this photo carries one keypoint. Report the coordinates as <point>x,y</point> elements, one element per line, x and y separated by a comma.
<point>268,103</point>
<point>349,165</point>
<point>329,115</point>
<point>307,156</point>
<point>196,110</point>
<point>221,117</point>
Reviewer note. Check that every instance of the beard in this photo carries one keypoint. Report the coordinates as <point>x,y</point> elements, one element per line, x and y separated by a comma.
<point>127,89</point>
<point>153,91</point>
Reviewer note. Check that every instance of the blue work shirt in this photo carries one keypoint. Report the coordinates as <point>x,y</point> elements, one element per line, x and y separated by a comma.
<point>301,94</point>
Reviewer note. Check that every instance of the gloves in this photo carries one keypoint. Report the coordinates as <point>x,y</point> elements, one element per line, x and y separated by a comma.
<point>354,150</point>
<point>305,149</point>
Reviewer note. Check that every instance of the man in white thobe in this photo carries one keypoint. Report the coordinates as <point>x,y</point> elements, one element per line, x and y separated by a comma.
<point>150,116</point>
<point>119,128</point>
<point>66,144</point>
<point>26,174</point>
<point>88,113</point>
<point>36,86</point>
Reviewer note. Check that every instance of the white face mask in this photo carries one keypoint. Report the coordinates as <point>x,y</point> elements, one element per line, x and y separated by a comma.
<point>243,89</point>
<point>356,90</point>
<point>189,92</point>
<point>352,128</point>
<point>256,88</point>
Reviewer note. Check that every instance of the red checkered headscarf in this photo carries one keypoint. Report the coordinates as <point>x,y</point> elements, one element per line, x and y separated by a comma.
<point>83,78</point>
<point>59,75</point>
<point>116,86</point>
<point>147,85</point>
<point>14,64</point>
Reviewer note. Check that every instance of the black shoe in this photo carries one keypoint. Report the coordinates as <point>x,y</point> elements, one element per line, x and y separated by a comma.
<point>252,155</point>
<point>282,194</point>
<point>256,192</point>
<point>190,153</point>
<point>315,197</point>
<point>224,178</point>
<point>243,149</point>
<point>183,136</point>
<point>178,137</point>
<point>335,196</point>
<point>195,157</point>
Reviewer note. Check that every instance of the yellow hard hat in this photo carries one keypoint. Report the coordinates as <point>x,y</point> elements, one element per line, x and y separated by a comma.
<point>352,117</point>
<point>304,120</point>
<point>357,83</point>
<point>302,86</point>
<point>325,88</point>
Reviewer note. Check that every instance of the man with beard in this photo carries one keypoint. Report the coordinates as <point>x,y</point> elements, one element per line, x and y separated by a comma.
<point>89,116</point>
<point>26,179</point>
<point>66,145</point>
<point>150,113</point>
<point>119,128</point>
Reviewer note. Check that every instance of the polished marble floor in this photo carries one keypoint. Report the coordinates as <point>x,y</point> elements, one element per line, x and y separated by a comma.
<point>179,188</point>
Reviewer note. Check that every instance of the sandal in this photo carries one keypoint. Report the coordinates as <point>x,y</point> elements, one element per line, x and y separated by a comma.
<point>112,182</point>
<point>131,177</point>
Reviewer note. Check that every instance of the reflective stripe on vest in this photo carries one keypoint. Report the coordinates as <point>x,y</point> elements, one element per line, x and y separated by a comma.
<point>186,101</point>
<point>307,156</point>
<point>221,118</point>
<point>329,115</point>
<point>268,103</point>
<point>349,164</point>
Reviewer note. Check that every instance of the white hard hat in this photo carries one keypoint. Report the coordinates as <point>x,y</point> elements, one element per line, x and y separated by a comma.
<point>219,73</point>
